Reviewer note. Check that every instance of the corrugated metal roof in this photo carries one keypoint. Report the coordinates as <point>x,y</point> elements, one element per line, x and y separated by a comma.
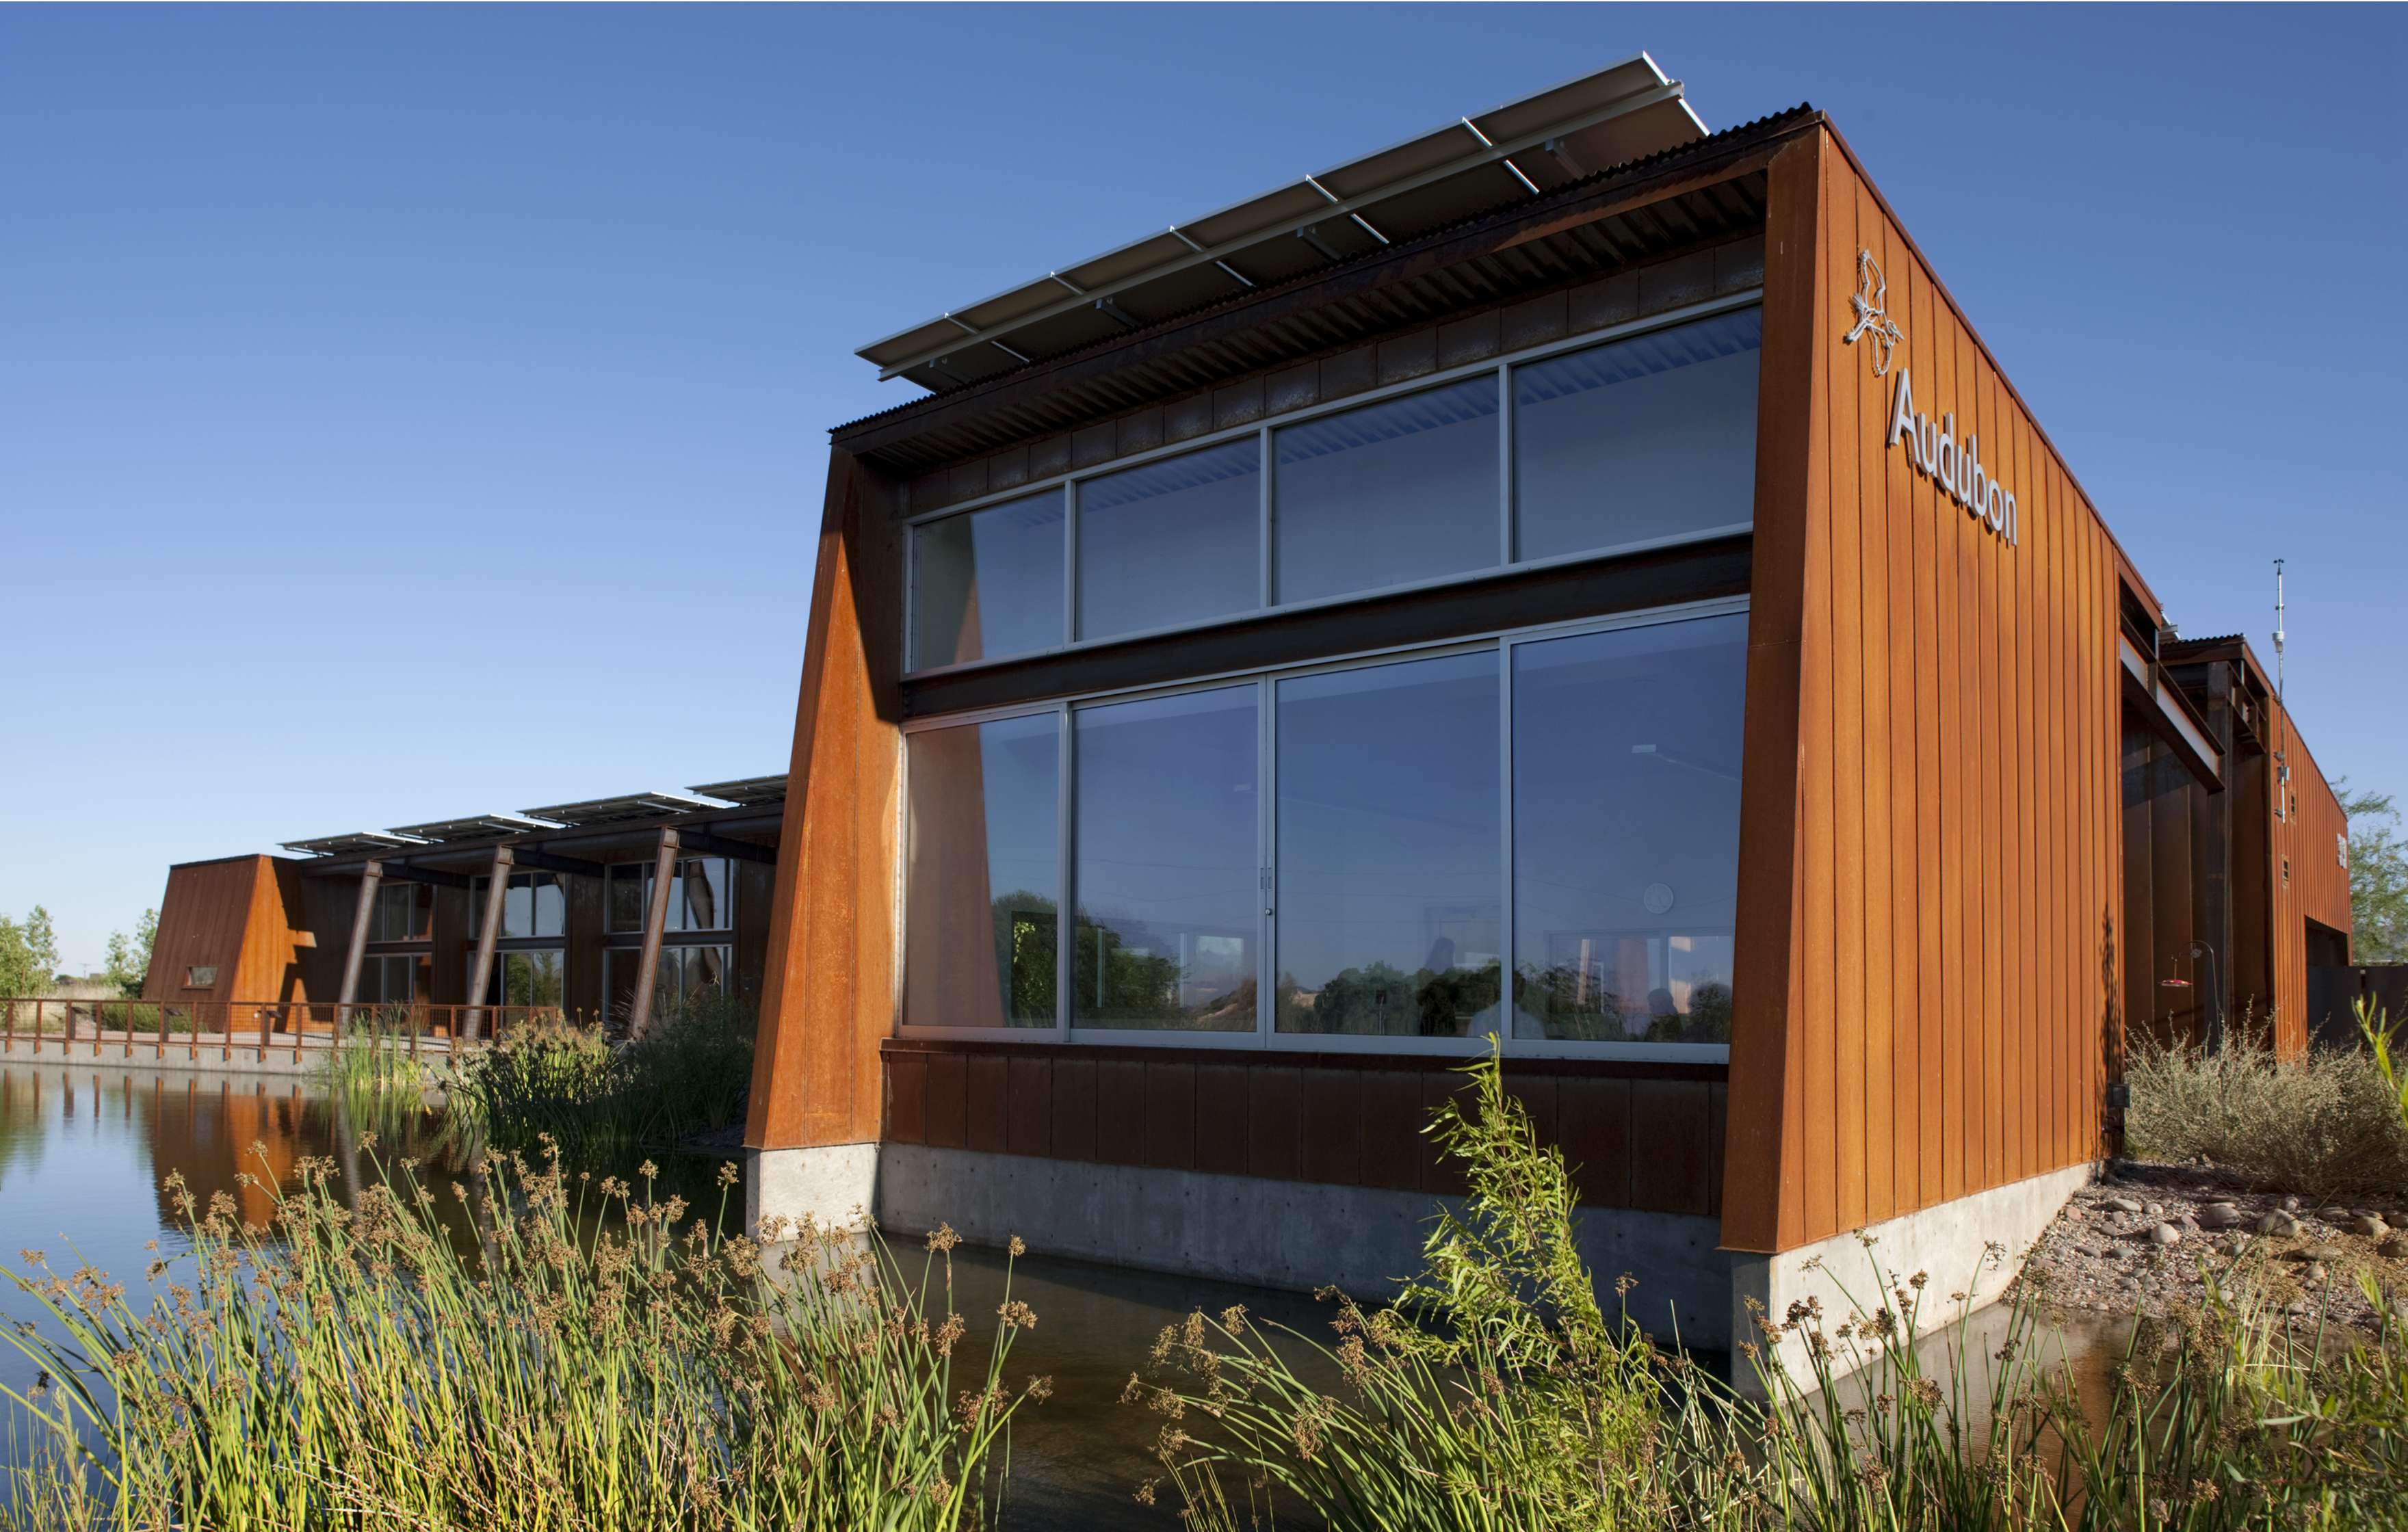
<point>1663,226</point>
<point>1523,148</point>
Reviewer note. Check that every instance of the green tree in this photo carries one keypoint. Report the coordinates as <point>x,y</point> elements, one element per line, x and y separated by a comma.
<point>2378,877</point>
<point>129,956</point>
<point>29,955</point>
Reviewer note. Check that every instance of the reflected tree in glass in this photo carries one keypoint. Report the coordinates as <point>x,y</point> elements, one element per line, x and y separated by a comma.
<point>981,871</point>
<point>1166,862</point>
<point>1389,853</point>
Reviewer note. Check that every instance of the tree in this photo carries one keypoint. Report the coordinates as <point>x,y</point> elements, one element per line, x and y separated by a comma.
<point>129,957</point>
<point>2378,877</point>
<point>29,956</point>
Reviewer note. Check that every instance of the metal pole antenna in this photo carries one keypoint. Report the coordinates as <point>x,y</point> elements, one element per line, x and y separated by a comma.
<point>2278,630</point>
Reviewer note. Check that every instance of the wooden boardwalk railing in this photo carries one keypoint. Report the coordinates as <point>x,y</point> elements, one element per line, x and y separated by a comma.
<point>134,1029</point>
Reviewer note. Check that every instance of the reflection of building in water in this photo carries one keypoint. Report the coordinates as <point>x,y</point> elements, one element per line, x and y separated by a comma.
<point>586,891</point>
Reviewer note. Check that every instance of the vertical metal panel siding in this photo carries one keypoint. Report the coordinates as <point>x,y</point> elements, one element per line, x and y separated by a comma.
<point>1952,985</point>
<point>2318,887</point>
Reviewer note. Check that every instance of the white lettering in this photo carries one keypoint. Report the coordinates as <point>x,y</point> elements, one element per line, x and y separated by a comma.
<point>1931,446</point>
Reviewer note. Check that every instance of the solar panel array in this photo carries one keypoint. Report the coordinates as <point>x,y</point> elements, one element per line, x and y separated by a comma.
<point>624,808</point>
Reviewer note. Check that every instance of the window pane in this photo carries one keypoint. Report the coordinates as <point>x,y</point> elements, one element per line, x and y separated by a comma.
<point>530,979</point>
<point>518,907</point>
<point>551,904</point>
<point>1400,491</point>
<point>1645,437</point>
<point>1167,865</point>
<point>985,852</point>
<point>1174,541</point>
<point>1626,831</point>
<point>701,895</point>
<point>989,584</point>
<point>627,896</point>
<point>1389,863</point>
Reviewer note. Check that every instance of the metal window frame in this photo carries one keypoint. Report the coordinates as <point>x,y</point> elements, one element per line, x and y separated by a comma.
<point>1266,1037</point>
<point>1508,509</point>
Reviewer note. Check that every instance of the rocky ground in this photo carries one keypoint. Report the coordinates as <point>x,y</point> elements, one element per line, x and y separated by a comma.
<point>2146,1237</point>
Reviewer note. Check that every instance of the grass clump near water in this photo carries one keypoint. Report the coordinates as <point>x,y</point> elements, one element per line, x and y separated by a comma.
<point>370,1064</point>
<point>1498,1395</point>
<point>689,1073</point>
<point>2323,1125</point>
<point>508,1357</point>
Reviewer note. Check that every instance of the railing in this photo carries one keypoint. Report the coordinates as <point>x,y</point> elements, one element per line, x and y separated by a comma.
<point>153,1028</point>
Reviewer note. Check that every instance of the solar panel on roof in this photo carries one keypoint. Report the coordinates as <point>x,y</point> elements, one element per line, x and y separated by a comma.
<point>625,807</point>
<point>359,840</point>
<point>1523,148</point>
<point>745,790</point>
<point>474,827</point>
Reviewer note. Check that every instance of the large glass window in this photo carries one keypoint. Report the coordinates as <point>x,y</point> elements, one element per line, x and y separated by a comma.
<point>989,584</point>
<point>1175,541</point>
<point>1626,831</point>
<point>1640,439</point>
<point>402,913</point>
<point>528,978</point>
<point>535,904</point>
<point>392,979</point>
<point>685,975</point>
<point>1399,491</point>
<point>983,882</point>
<point>1389,862</point>
<point>1169,862</point>
<point>701,897</point>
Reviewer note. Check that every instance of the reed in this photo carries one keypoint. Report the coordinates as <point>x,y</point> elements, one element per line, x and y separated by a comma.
<point>1497,1395</point>
<point>603,1101</point>
<point>537,1351</point>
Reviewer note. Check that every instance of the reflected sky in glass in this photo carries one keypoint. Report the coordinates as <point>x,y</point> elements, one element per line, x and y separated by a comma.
<point>1167,862</point>
<point>1389,866</point>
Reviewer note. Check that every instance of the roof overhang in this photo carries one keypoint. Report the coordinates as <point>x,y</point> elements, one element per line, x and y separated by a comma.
<point>2170,714</point>
<point>1524,148</point>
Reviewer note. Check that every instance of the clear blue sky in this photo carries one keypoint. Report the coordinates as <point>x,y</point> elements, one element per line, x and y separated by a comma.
<point>413,413</point>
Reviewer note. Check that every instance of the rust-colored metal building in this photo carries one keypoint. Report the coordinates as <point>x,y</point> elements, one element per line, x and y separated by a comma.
<point>1573,579</point>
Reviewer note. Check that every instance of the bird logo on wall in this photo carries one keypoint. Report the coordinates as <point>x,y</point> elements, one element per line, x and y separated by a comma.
<point>1871,301</point>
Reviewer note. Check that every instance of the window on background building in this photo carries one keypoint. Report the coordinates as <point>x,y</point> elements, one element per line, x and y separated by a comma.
<point>391,978</point>
<point>1627,749</point>
<point>535,904</point>
<point>1645,437</point>
<point>983,878</point>
<point>988,583</point>
<point>1167,862</point>
<point>701,898</point>
<point>687,975</point>
<point>1174,541</point>
<point>1389,859</point>
<point>1399,491</point>
<point>531,979</point>
<point>402,913</point>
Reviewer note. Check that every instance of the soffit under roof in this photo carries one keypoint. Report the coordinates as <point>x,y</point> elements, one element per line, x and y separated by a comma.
<point>1623,112</point>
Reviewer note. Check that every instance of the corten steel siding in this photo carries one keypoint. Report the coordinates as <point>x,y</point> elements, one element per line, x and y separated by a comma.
<point>2319,886</point>
<point>1931,913</point>
<point>236,914</point>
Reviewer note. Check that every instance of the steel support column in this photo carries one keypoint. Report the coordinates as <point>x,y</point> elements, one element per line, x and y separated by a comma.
<point>498,888</point>
<point>371,876</point>
<point>656,919</point>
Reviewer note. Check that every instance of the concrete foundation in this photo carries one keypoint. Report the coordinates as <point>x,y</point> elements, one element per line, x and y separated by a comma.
<point>1971,1246</point>
<point>1296,1235</point>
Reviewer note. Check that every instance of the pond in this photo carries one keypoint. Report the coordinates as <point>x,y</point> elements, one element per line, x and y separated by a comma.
<point>84,1151</point>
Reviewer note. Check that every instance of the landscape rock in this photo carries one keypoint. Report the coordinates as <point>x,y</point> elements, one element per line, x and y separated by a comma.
<point>2393,1249</point>
<point>2314,1275</point>
<point>2280,1224</point>
<point>2121,1205</point>
<point>2369,1226</point>
<point>2165,1234</point>
<point>2220,1215</point>
<point>2312,1253</point>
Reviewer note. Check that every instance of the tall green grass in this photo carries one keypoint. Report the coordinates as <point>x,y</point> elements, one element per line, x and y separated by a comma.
<point>370,1066</point>
<point>359,1364</point>
<point>602,1101</point>
<point>1498,1396</point>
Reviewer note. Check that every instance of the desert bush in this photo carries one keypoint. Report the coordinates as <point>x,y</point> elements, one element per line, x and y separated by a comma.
<point>2323,1125</point>
<point>360,1363</point>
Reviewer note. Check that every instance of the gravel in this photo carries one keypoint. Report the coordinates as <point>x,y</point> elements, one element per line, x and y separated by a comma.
<point>2138,1241</point>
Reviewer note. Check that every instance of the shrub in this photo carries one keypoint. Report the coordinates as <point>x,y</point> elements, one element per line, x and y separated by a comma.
<point>362,1364</point>
<point>2322,1126</point>
<point>602,1101</point>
